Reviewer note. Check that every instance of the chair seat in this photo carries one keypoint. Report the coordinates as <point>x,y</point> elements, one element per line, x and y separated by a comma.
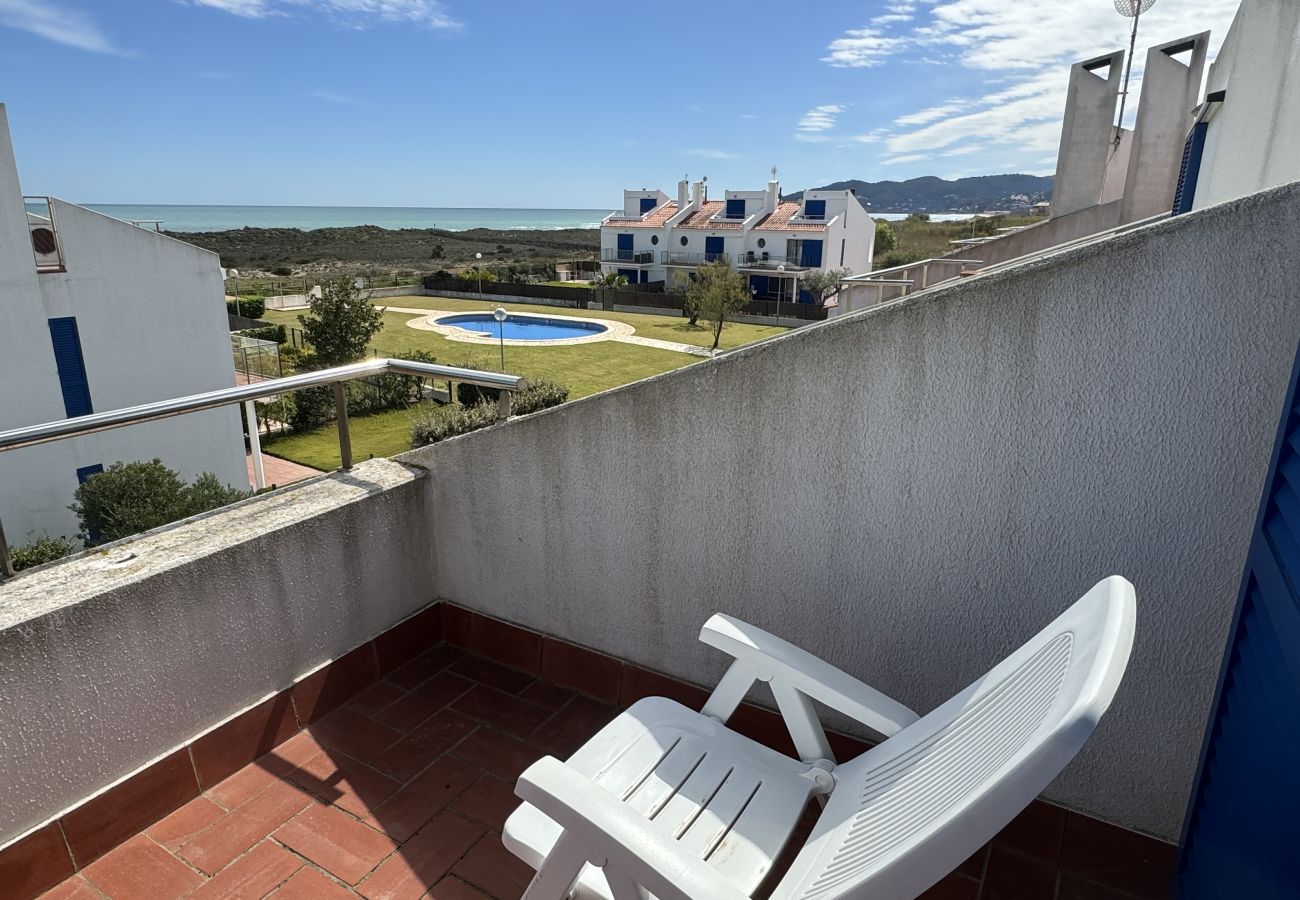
<point>732,802</point>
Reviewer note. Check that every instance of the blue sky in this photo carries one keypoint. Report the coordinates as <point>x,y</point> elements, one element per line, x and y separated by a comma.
<point>522,103</point>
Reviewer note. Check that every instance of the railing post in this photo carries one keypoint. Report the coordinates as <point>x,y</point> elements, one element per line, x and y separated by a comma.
<point>503,405</point>
<point>6,564</point>
<point>341,413</point>
<point>254,444</point>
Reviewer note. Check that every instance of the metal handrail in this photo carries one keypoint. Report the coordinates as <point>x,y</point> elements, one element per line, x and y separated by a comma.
<point>48,432</point>
<point>873,276</point>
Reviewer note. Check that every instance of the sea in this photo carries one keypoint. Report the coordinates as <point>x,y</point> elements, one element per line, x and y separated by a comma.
<point>224,218</point>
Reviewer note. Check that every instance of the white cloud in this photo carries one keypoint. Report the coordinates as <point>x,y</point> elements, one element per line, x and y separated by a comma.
<point>748,116</point>
<point>923,116</point>
<point>862,48</point>
<point>872,137</point>
<point>962,151</point>
<point>710,153</point>
<point>890,18</point>
<point>69,27</point>
<point>429,13</point>
<point>906,158</point>
<point>332,97</point>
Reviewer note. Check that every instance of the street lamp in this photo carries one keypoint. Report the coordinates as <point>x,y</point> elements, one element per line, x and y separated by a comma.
<point>500,315</point>
<point>780,272</point>
<point>478,270</point>
<point>233,275</point>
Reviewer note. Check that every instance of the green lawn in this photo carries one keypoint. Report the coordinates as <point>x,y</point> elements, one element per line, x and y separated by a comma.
<point>583,368</point>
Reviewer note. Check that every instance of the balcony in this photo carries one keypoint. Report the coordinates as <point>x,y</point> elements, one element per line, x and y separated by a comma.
<point>332,686</point>
<point>691,260</point>
<point>758,261</point>
<point>629,258</point>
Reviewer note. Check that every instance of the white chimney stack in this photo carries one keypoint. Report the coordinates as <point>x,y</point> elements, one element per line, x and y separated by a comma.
<point>683,193</point>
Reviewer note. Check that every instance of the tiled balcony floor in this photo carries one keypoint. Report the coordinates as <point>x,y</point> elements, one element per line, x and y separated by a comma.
<point>402,793</point>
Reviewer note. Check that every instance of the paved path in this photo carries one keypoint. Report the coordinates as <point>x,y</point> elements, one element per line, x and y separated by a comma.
<point>621,338</point>
<point>278,471</point>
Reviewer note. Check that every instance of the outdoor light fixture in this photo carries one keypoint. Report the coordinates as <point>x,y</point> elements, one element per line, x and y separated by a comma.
<point>233,275</point>
<point>478,270</point>
<point>500,315</point>
<point>780,271</point>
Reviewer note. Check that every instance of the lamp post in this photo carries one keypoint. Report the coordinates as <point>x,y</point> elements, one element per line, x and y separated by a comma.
<point>233,275</point>
<point>500,315</point>
<point>780,272</point>
<point>478,270</point>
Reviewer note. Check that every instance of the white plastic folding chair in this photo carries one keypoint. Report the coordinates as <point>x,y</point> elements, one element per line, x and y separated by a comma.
<point>668,802</point>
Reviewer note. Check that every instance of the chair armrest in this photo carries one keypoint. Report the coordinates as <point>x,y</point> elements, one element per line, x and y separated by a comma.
<point>779,661</point>
<point>622,840</point>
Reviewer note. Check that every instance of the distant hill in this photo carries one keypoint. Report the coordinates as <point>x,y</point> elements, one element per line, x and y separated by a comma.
<point>935,195</point>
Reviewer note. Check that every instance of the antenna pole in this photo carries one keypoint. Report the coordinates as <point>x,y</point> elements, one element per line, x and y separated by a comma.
<point>1128,67</point>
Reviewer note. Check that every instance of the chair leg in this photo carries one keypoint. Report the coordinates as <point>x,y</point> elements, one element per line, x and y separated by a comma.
<point>562,866</point>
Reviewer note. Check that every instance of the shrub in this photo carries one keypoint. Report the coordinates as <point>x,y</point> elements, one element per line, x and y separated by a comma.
<point>128,498</point>
<point>312,408</point>
<point>276,333</point>
<point>438,426</point>
<point>540,394</point>
<point>40,551</point>
<point>250,308</point>
<point>897,258</point>
<point>282,271</point>
<point>886,240</point>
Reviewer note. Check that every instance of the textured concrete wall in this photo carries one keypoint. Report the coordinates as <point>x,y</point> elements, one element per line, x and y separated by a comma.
<point>1087,131</point>
<point>942,477</point>
<point>1170,90</point>
<point>1042,235</point>
<point>111,660</point>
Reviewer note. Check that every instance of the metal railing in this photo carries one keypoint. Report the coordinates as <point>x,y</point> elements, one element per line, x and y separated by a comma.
<point>679,258</point>
<point>752,259</point>
<point>632,257</point>
<point>245,395</point>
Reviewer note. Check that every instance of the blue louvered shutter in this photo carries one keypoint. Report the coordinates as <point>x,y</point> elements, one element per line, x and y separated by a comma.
<point>1239,834</point>
<point>647,204</point>
<point>72,368</point>
<point>736,208</point>
<point>810,254</point>
<point>1190,169</point>
<point>814,209</point>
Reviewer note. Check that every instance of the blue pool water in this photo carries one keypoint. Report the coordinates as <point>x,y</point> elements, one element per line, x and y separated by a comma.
<point>523,328</point>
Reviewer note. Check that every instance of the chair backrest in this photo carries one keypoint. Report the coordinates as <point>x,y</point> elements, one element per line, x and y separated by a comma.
<point>911,809</point>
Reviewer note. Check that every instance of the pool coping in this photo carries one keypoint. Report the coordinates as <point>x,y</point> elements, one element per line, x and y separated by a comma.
<point>428,322</point>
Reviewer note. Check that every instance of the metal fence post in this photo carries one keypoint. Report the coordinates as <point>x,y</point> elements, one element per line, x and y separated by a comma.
<point>6,564</point>
<point>341,413</point>
<point>503,405</point>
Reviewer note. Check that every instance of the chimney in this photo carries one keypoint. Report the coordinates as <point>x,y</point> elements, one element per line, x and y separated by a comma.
<point>773,195</point>
<point>683,193</point>
<point>697,193</point>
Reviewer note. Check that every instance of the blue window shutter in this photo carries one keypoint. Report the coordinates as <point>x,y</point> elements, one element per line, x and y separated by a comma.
<point>647,204</point>
<point>625,247</point>
<point>1239,832</point>
<point>736,208</point>
<point>811,254</point>
<point>71,366</point>
<point>629,274</point>
<point>814,209</point>
<point>1190,170</point>
<point>86,471</point>
<point>713,248</point>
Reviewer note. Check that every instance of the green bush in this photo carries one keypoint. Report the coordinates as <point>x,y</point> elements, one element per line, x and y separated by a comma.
<point>276,333</point>
<point>312,408</point>
<point>443,424</point>
<point>897,258</point>
<point>540,394</point>
<point>40,551</point>
<point>128,498</point>
<point>249,308</point>
<point>886,240</point>
<point>282,271</point>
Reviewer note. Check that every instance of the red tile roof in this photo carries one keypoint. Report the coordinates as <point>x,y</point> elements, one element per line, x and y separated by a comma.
<point>703,218</point>
<point>657,218</point>
<point>780,220</point>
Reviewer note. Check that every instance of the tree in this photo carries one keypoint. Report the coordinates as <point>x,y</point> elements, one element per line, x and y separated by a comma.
<point>716,296</point>
<point>478,274</point>
<point>40,551</point>
<point>886,240</point>
<point>130,497</point>
<point>341,323</point>
<point>610,280</point>
<point>822,283</point>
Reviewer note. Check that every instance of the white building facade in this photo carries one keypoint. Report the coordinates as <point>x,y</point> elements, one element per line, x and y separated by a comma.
<point>773,242</point>
<point>99,315</point>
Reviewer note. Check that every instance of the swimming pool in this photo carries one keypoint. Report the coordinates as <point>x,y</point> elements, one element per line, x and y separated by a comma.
<point>523,328</point>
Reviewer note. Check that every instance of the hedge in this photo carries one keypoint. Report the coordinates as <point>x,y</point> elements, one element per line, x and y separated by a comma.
<point>251,308</point>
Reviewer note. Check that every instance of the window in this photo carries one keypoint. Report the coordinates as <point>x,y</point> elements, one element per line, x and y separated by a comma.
<point>654,239</point>
<point>647,204</point>
<point>736,208</point>
<point>814,209</point>
<point>86,471</point>
<point>762,242</point>
<point>684,241</point>
<point>72,367</point>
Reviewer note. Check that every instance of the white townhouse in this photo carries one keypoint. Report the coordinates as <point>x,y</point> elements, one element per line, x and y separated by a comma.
<point>773,242</point>
<point>100,314</point>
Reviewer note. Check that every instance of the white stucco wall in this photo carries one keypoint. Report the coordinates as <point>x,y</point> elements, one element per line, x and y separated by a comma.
<point>152,325</point>
<point>945,474</point>
<point>1253,140</point>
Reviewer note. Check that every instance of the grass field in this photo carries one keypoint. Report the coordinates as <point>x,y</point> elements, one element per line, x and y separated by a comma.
<point>583,368</point>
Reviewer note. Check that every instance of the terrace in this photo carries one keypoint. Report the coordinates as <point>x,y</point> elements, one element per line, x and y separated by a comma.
<point>329,689</point>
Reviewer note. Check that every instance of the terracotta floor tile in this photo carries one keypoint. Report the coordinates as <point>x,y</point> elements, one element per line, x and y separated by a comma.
<point>1013,876</point>
<point>345,782</point>
<point>309,884</point>
<point>488,800</point>
<point>252,875</point>
<point>545,694</point>
<point>36,863</point>
<point>1037,832</point>
<point>141,870</point>
<point>490,867</point>
<point>423,860</point>
<point>512,681</point>
<point>572,726</point>
<point>360,737</point>
<point>375,697</point>
<point>502,755</point>
<point>953,887</point>
<point>227,749</point>
<point>336,842</point>
<point>425,665</point>
<point>454,889</point>
<point>328,688</point>
<point>423,701</point>
<point>243,786</point>
<point>186,822</point>
<point>75,888</point>
<point>293,753</point>
<point>404,813</point>
<point>588,671</point>
<point>240,829</point>
<point>502,711</point>
<point>1113,857</point>
<point>408,757</point>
